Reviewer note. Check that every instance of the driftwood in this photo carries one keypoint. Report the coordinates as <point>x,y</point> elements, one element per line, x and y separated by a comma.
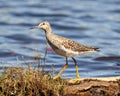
<point>109,86</point>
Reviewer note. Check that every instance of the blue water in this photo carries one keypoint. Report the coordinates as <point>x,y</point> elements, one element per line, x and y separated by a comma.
<point>90,22</point>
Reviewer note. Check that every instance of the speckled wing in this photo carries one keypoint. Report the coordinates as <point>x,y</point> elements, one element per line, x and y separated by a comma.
<point>74,46</point>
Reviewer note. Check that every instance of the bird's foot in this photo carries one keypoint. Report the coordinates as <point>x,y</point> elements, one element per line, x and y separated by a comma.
<point>75,80</point>
<point>56,77</point>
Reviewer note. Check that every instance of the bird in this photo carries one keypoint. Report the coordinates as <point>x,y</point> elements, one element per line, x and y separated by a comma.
<point>65,47</point>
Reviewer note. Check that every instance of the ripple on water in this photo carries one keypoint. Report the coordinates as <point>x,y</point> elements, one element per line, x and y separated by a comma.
<point>23,38</point>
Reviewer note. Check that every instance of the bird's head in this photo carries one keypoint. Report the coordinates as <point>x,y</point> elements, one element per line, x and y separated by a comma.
<point>44,25</point>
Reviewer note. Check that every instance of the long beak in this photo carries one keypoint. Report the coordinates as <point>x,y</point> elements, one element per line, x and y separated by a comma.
<point>34,27</point>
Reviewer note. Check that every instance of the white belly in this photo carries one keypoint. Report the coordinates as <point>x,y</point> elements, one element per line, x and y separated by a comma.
<point>66,53</point>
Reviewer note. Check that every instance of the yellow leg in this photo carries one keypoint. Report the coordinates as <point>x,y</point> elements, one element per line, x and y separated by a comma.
<point>77,73</point>
<point>64,67</point>
<point>76,65</point>
<point>77,79</point>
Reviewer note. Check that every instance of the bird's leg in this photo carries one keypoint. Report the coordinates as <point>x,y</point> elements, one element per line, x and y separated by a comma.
<point>64,67</point>
<point>76,65</point>
<point>75,80</point>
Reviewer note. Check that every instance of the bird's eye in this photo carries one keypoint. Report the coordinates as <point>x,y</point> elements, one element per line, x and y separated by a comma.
<point>43,23</point>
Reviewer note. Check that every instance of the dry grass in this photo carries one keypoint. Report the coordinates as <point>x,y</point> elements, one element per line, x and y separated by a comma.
<point>29,82</point>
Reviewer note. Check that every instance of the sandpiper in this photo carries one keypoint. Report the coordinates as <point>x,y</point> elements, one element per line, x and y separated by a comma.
<point>64,47</point>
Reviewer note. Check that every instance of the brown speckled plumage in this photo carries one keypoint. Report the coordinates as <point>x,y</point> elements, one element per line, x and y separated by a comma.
<point>74,46</point>
<point>64,46</point>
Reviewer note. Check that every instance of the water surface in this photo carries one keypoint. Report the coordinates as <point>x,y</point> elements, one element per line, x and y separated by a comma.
<point>90,22</point>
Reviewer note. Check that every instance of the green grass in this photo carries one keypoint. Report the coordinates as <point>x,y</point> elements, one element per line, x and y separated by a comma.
<point>29,82</point>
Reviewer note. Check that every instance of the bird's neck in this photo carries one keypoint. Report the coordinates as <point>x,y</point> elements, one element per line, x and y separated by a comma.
<point>48,30</point>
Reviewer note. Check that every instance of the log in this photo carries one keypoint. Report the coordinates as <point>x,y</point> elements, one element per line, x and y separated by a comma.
<point>108,86</point>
